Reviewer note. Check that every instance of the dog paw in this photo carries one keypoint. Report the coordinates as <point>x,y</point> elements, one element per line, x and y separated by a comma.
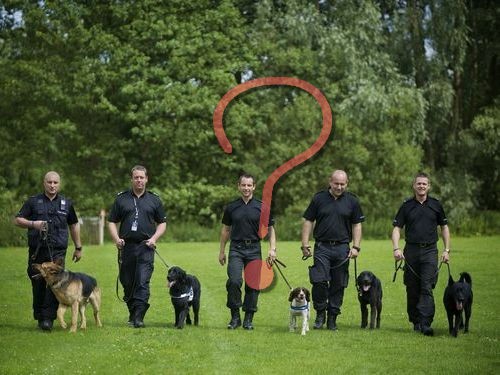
<point>64,325</point>
<point>72,330</point>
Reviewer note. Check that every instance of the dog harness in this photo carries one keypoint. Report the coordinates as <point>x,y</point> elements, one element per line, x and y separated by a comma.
<point>300,308</point>
<point>189,294</point>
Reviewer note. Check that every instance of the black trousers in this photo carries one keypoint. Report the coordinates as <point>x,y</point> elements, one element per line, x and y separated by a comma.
<point>135,274</point>
<point>329,276</point>
<point>45,303</point>
<point>420,280</point>
<point>239,256</point>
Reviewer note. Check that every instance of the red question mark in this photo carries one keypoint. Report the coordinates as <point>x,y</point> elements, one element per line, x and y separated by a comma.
<point>296,160</point>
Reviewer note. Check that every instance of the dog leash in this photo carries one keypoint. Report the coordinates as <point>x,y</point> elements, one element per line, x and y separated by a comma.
<point>44,237</point>
<point>278,263</point>
<point>398,265</point>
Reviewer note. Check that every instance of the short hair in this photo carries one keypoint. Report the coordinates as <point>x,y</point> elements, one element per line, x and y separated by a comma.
<point>246,175</point>
<point>138,168</point>
<point>422,174</point>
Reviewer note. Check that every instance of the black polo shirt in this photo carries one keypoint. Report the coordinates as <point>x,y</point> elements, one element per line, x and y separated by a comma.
<point>148,209</point>
<point>334,217</point>
<point>420,220</point>
<point>244,219</point>
<point>58,212</point>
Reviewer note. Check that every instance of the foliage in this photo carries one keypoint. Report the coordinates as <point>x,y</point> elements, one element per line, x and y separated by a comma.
<point>92,88</point>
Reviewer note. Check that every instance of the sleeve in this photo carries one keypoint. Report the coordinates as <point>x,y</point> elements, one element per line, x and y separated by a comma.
<point>160,214</point>
<point>441,216</point>
<point>399,220</point>
<point>114,215</point>
<point>226,217</point>
<point>72,217</point>
<point>26,210</point>
<point>311,211</point>
<point>357,213</point>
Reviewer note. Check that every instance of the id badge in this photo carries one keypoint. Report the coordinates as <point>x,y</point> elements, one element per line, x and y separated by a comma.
<point>134,226</point>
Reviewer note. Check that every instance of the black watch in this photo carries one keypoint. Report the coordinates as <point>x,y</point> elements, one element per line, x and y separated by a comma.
<point>358,249</point>
<point>79,248</point>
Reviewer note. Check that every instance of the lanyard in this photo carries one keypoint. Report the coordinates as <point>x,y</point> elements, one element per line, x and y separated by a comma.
<point>136,210</point>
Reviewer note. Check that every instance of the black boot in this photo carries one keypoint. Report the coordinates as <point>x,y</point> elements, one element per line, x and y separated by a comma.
<point>139,313</point>
<point>235,321</point>
<point>247,322</point>
<point>320,319</point>
<point>331,323</point>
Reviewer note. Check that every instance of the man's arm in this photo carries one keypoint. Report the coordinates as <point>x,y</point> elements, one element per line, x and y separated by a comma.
<point>396,235</point>
<point>113,231</point>
<point>160,229</point>
<point>356,240</point>
<point>306,233</point>
<point>74,230</point>
<point>445,233</point>
<point>272,243</point>
<point>224,237</point>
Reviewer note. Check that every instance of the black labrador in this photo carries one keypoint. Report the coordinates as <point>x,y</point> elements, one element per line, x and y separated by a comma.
<point>185,292</point>
<point>458,300</point>
<point>370,293</point>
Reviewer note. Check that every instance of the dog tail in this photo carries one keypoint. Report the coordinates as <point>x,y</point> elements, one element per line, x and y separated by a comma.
<point>464,276</point>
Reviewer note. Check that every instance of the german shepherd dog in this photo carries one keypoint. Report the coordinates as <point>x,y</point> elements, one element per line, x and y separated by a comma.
<point>370,293</point>
<point>457,299</point>
<point>72,289</point>
<point>185,292</point>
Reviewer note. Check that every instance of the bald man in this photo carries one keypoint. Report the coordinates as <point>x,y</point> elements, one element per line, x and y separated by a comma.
<point>47,217</point>
<point>336,216</point>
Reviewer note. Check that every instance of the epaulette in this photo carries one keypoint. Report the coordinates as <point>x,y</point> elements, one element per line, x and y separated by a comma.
<point>122,192</point>
<point>407,199</point>
<point>350,193</point>
<point>152,192</point>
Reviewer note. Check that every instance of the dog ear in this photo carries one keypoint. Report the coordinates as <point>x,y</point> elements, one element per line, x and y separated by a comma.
<point>308,295</point>
<point>59,261</point>
<point>292,294</point>
<point>450,281</point>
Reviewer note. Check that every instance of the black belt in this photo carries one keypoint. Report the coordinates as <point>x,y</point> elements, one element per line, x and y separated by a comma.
<point>333,243</point>
<point>422,244</point>
<point>246,242</point>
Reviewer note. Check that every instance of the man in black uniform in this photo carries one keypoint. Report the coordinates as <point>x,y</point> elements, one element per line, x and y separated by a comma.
<point>338,218</point>
<point>142,221</point>
<point>240,223</point>
<point>47,217</point>
<point>420,215</point>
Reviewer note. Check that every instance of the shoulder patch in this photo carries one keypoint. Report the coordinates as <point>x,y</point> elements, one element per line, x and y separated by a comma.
<point>407,199</point>
<point>122,192</point>
<point>152,192</point>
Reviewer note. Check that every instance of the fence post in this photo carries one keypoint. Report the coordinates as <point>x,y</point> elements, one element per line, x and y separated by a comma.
<point>102,219</point>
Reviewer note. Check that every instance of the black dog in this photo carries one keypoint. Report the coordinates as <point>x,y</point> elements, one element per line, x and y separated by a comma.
<point>185,291</point>
<point>457,299</point>
<point>370,293</point>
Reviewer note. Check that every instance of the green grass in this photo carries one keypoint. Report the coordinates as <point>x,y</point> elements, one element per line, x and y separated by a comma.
<point>270,348</point>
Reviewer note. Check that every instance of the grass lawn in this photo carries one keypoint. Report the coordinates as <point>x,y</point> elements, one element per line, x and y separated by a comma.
<point>270,348</point>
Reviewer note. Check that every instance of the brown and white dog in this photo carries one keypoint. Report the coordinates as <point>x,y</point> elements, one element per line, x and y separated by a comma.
<point>72,289</point>
<point>299,306</point>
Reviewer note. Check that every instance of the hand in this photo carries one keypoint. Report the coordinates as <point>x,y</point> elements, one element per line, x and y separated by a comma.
<point>271,255</point>
<point>151,243</point>
<point>306,250</point>
<point>353,253</point>
<point>445,258</point>
<point>120,243</point>
<point>40,225</point>
<point>222,258</point>
<point>77,255</point>
<point>398,255</point>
